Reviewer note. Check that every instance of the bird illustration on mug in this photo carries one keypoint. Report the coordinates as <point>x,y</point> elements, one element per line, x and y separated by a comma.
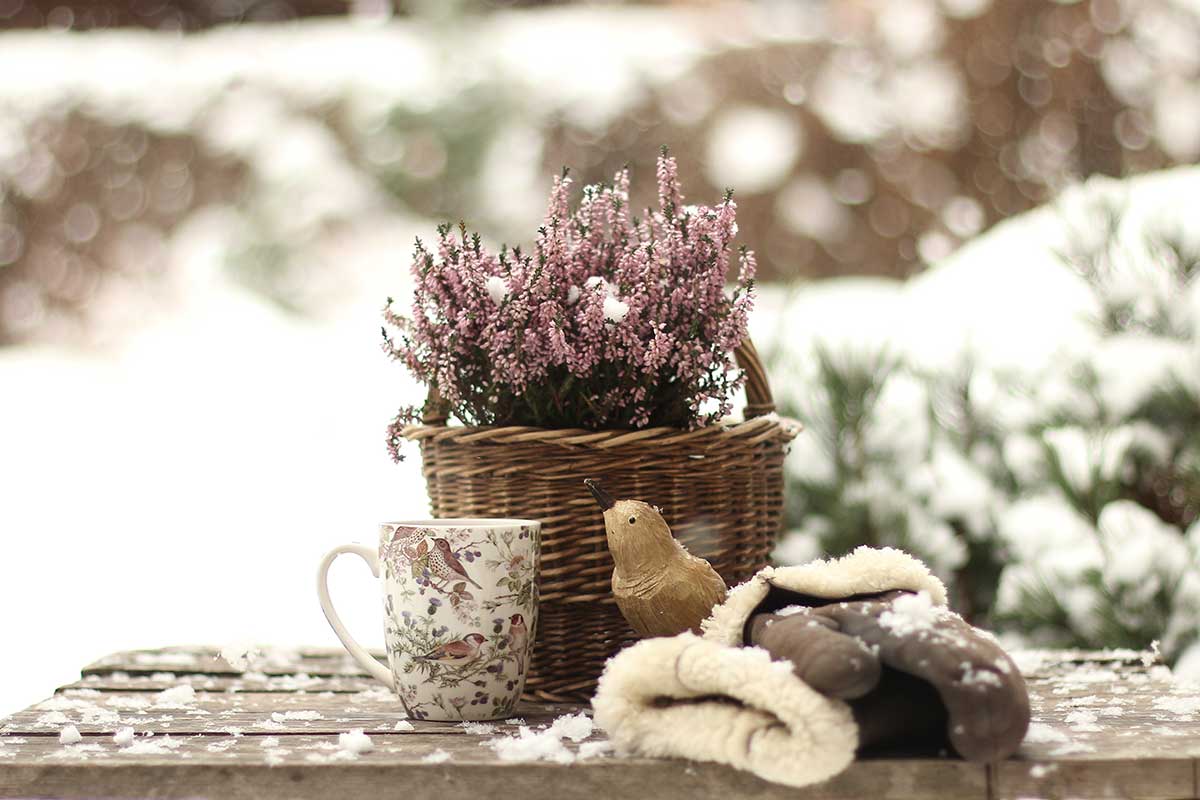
<point>660,588</point>
<point>518,640</point>
<point>403,548</point>
<point>407,540</point>
<point>457,653</point>
<point>444,565</point>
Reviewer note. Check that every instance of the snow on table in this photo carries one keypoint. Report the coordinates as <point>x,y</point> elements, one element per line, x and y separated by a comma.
<point>307,723</point>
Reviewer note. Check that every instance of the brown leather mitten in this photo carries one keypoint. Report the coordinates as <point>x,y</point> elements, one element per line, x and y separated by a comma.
<point>907,667</point>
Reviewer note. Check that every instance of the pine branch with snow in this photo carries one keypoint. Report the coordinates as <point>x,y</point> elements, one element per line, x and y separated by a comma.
<point>1059,503</point>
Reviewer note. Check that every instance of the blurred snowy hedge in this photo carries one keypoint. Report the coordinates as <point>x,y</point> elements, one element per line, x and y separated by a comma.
<point>868,137</point>
<point>1025,416</point>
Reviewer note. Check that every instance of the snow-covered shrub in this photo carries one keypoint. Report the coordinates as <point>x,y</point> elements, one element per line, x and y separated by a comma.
<point>1048,467</point>
<point>1119,444</point>
<point>875,140</point>
<point>882,134</point>
<point>882,462</point>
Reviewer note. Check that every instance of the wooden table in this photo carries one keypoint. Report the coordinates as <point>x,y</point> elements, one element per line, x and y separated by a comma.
<point>1106,725</point>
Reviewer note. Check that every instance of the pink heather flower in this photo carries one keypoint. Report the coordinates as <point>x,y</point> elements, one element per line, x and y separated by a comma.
<point>608,322</point>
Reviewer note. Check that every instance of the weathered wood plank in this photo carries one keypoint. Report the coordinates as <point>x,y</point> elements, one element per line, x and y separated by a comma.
<point>1135,717</point>
<point>376,711</point>
<point>312,767</point>
<point>1143,779</point>
<point>1110,724</point>
<point>329,661</point>
<point>246,682</point>
<point>206,660</point>
<point>1105,712</point>
<point>255,681</point>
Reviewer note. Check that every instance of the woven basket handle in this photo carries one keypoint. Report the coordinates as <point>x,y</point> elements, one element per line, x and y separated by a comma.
<point>436,411</point>
<point>759,400</point>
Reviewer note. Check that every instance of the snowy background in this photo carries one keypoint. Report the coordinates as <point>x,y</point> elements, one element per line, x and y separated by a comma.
<point>197,234</point>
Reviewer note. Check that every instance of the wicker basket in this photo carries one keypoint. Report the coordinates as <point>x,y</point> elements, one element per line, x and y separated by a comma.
<point>720,488</point>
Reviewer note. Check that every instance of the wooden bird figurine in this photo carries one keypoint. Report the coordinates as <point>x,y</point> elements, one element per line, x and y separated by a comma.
<point>660,587</point>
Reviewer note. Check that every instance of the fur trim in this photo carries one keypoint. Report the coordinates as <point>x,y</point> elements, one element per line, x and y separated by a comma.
<point>867,570</point>
<point>672,697</point>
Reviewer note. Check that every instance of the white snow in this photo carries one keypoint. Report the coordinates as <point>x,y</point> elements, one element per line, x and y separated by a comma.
<point>438,756</point>
<point>530,745</point>
<point>123,737</point>
<point>497,289</point>
<point>477,728</point>
<point>70,735</point>
<point>575,727</point>
<point>283,716</point>
<point>1153,655</point>
<point>240,655</point>
<point>615,310</point>
<point>980,677</point>
<point>547,745</point>
<point>355,741</point>
<point>1041,733</point>
<point>910,27</point>
<point>1180,705</point>
<point>912,613</point>
<point>752,148</point>
<point>594,749</point>
<point>77,752</point>
<point>807,206</point>
<point>138,393</point>
<point>1141,547</point>
<point>403,725</point>
<point>1083,721</point>
<point>1177,119</point>
<point>152,746</point>
<point>798,546</point>
<point>176,697</point>
<point>964,216</point>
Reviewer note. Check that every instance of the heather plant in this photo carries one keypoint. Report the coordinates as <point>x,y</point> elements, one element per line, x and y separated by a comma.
<point>611,321</point>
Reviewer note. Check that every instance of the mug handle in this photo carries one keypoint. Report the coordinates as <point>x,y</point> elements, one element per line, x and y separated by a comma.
<point>360,654</point>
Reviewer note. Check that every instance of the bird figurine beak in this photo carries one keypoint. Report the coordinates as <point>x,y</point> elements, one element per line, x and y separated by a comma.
<point>602,497</point>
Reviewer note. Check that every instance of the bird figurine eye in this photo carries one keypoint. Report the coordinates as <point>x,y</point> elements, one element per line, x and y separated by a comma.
<point>632,520</point>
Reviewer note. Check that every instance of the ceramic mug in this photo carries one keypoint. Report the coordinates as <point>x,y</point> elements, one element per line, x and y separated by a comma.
<point>460,602</point>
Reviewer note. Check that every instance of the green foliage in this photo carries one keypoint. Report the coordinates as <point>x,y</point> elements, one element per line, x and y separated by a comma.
<point>1058,504</point>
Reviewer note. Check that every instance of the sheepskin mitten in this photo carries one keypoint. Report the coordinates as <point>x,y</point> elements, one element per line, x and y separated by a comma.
<point>954,681</point>
<point>801,666</point>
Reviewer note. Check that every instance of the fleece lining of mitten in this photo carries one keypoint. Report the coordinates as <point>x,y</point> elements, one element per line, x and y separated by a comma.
<point>867,570</point>
<point>686,697</point>
<point>711,699</point>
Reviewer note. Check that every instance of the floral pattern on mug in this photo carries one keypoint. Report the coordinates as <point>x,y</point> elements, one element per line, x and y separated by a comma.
<point>461,613</point>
